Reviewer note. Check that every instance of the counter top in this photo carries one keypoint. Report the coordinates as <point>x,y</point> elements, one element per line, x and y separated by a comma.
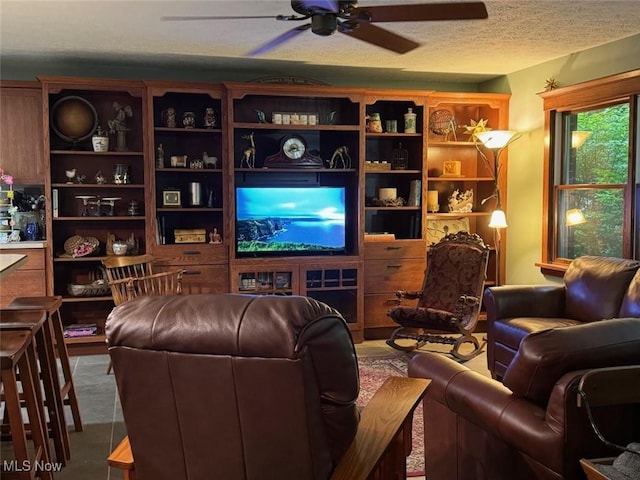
<point>10,263</point>
<point>14,245</point>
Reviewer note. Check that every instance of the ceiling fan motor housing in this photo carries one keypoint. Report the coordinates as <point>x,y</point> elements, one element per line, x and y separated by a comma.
<point>324,25</point>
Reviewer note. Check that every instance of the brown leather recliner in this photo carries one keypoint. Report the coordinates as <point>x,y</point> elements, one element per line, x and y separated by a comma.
<point>226,386</point>
<point>528,426</point>
<point>594,289</point>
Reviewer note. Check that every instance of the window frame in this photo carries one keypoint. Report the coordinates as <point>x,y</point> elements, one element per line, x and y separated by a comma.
<point>607,91</point>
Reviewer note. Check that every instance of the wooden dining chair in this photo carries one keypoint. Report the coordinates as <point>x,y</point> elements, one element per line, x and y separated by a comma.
<point>133,276</point>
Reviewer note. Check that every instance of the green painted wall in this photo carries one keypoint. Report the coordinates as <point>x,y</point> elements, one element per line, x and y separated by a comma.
<point>526,156</point>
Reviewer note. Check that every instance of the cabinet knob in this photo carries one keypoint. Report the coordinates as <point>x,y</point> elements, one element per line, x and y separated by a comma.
<point>191,252</point>
<point>192,272</point>
<point>393,248</point>
<point>394,266</point>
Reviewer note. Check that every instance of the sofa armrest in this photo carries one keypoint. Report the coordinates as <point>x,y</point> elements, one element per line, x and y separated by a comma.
<point>492,407</point>
<point>543,357</point>
<point>509,301</point>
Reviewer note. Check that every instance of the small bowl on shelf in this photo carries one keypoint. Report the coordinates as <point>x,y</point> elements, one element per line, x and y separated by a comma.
<point>120,248</point>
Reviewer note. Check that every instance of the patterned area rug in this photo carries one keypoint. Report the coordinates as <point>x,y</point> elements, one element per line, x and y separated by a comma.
<point>374,370</point>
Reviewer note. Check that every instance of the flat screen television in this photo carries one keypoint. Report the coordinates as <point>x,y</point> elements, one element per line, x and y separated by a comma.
<point>290,221</point>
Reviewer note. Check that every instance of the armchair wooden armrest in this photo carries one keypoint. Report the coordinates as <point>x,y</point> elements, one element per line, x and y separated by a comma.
<point>409,295</point>
<point>381,444</point>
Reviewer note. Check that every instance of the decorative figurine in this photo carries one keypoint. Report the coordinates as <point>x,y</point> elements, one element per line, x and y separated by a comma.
<point>119,125</point>
<point>210,120</point>
<point>209,162</point>
<point>374,123</point>
<point>343,154</point>
<point>169,117</point>
<point>188,120</point>
<point>100,178</point>
<point>331,118</point>
<point>261,116</point>
<point>461,202</point>
<point>474,128</point>
<point>215,237</point>
<point>249,154</point>
<point>160,157</point>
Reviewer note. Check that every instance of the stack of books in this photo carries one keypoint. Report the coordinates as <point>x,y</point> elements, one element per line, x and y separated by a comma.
<point>80,330</point>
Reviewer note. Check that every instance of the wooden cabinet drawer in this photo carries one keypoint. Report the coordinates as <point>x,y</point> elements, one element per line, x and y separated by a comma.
<point>191,254</point>
<point>391,275</point>
<point>23,283</point>
<point>35,258</point>
<point>398,249</point>
<point>202,278</point>
<point>376,307</point>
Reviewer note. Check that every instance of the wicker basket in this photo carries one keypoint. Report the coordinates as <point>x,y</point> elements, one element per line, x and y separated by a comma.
<point>74,242</point>
<point>97,287</point>
<point>94,289</point>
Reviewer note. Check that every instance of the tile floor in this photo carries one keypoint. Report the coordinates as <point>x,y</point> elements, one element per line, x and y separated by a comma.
<point>102,415</point>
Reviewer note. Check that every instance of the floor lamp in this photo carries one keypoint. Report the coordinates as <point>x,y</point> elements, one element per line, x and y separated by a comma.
<point>496,141</point>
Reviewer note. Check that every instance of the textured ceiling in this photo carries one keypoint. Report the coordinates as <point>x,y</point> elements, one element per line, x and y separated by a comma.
<point>517,35</point>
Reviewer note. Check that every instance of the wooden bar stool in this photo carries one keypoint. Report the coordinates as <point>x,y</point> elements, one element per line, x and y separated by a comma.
<point>52,305</point>
<point>36,322</point>
<point>16,358</point>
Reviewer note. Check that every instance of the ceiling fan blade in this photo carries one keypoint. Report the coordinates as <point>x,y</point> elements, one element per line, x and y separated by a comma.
<point>425,12</point>
<point>381,37</point>
<point>288,35</point>
<point>180,18</point>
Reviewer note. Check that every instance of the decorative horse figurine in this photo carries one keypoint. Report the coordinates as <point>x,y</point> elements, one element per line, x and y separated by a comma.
<point>249,154</point>
<point>341,153</point>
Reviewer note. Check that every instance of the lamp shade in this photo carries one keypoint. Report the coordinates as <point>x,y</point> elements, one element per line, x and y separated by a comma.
<point>497,138</point>
<point>498,219</point>
<point>574,216</point>
<point>578,137</point>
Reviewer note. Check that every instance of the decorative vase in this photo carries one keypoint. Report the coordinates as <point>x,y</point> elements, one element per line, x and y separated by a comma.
<point>410,121</point>
<point>32,231</point>
<point>121,174</point>
<point>100,140</point>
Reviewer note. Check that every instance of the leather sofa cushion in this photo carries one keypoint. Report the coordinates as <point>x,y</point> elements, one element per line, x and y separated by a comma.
<point>631,301</point>
<point>595,287</point>
<point>510,332</point>
<point>543,357</point>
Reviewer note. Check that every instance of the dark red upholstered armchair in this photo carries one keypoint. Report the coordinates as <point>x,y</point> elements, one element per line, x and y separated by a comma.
<point>450,298</point>
<point>244,387</point>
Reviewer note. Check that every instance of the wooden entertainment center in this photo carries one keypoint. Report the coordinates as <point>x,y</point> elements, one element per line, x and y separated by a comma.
<point>182,180</point>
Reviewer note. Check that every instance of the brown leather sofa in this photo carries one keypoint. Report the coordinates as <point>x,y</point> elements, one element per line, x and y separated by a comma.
<point>250,387</point>
<point>595,288</point>
<point>528,426</point>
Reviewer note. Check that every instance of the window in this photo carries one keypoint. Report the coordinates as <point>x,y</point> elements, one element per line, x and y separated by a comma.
<point>592,171</point>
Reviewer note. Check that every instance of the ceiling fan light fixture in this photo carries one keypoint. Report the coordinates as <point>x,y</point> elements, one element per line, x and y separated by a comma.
<point>324,25</point>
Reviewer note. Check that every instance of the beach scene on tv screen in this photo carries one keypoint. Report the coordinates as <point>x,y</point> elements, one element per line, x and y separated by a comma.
<point>290,220</point>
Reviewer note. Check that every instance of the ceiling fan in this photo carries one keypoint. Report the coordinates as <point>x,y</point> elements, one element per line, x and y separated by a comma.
<point>329,16</point>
